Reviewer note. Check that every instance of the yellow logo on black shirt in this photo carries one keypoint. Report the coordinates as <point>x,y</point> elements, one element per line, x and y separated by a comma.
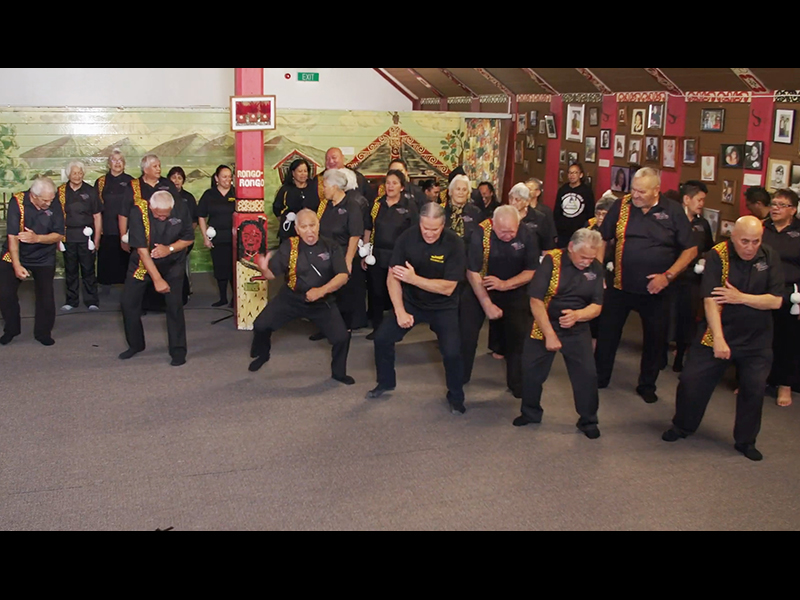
<point>439,260</point>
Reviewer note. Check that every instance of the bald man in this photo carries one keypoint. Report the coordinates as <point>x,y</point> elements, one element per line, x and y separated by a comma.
<point>334,159</point>
<point>742,284</point>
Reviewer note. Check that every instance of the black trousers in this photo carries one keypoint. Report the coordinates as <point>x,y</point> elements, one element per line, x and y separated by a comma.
<point>132,297</point>
<point>688,301</point>
<point>112,261</point>
<point>786,366</point>
<point>45,300</point>
<point>654,312</point>
<point>352,297</point>
<point>77,256</point>
<point>287,307</point>
<point>444,323</point>
<point>379,299</point>
<point>513,327</point>
<point>702,374</point>
<point>222,259</point>
<point>537,363</point>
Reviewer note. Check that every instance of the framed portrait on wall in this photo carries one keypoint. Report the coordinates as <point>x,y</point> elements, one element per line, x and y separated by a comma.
<point>534,118</point>
<point>572,158</point>
<point>522,123</point>
<point>732,156</point>
<point>550,125</point>
<point>520,152</point>
<point>605,139</point>
<point>653,152</point>
<point>669,152</point>
<point>712,216</point>
<point>784,126</point>
<point>754,156</point>
<point>591,150</point>
<point>531,139</point>
<point>689,151</point>
<point>778,174</point>
<point>708,169</point>
<point>543,127</point>
<point>594,116</point>
<point>622,117</point>
<point>562,157</point>
<point>540,154</point>
<point>726,228</point>
<point>638,121</point>
<point>712,119</point>
<point>728,191</point>
<point>620,179</point>
<point>575,122</point>
<point>619,146</point>
<point>795,175</point>
<point>252,113</point>
<point>655,118</point>
<point>635,151</point>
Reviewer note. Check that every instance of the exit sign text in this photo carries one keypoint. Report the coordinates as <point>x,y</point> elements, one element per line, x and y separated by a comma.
<point>313,77</point>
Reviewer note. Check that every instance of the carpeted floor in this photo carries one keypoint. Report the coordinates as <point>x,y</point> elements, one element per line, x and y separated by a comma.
<point>89,442</point>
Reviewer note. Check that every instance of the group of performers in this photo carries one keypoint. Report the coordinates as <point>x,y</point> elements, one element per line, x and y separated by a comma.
<point>452,261</point>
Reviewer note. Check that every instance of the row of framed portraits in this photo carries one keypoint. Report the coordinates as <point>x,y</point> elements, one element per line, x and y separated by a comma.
<point>712,120</point>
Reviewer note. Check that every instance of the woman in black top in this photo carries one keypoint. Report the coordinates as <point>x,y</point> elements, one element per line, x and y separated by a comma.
<point>216,209</point>
<point>112,256</point>
<point>574,206</point>
<point>178,177</point>
<point>489,202</point>
<point>390,216</point>
<point>295,194</point>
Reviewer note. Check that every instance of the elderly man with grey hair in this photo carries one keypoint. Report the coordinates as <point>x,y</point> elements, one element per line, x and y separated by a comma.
<point>83,216</point>
<point>161,230</point>
<point>566,294</point>
<point>34,226</point>
<point>653,245</point>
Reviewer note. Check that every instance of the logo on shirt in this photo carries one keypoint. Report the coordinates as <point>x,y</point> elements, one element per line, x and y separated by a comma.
<point>572,205</point>
<point>793,234</point>
<point>590,276</point>
<point>402,211</point>
<point>698,228</point>
<point>468,219</point>
<point>231,199</point>
<point>49,213</point>
<point>325,256</point>
<point>342,211</point>
<point>518,246</point>
<point>761,266</point>
<point>662,216</point>
<point>84,196</point>
<point>174,221</point>
<point>439,260</point>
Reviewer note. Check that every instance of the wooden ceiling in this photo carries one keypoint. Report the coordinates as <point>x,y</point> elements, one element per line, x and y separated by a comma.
<point>449,83</point>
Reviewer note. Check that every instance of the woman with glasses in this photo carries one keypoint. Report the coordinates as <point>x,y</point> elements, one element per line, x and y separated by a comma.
<point>782,234</point>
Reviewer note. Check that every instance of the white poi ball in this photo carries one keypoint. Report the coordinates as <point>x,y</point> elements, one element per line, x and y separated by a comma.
<point>291,217</point>
<point>370,260</point>
<point>62,247</point>
<point>795,298</point>
<point>700,267</point>
<point>211,233</point>
<point>125,238</point>
<point>91,245</point>
<point>87,231</point>
<point>365,250</point>
<point>610,267</point>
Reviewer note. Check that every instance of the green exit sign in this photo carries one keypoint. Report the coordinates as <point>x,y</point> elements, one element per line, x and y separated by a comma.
<point>314,77</point>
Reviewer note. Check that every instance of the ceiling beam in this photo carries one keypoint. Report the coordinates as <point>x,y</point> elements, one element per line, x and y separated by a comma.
<point>540,81</point>
<point>595,81</point>
<point>665,81</point>
<point>442,98</point>
<point>400,88</point>
<point>475,104</point>
<point>750,80</point>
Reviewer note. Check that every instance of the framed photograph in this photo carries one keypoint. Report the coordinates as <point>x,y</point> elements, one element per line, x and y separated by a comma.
<point>784,126</point>
<point>591,150</point>
<point>690,151</point>
<point>540,154</point>
<point>619,146</point>
<point>728,191</point>
<point>534,118</point>
<point>575,122</point>
<point>522,123</point>
<point>519,154</point>
<point>622,119</point>
<point>526,165</point>
<point>754,156</point>
<point>778,174</point>
<point>708,169</point>
<point>655,117</point>
<point>635,151</point>
<point>594,117</point>
<point>588,181</point>
<point>572,158</point>
<point>712,216</point>
<point>252,113</point>
<point>542,127</point>
<point>712,119</point>
<point>795,175</point>
<point>732,156</point>
<point>550,126</point>
<point>726,228</point>
<point>562,175</point>
<point>653,152</point>
<point>605,139</point>
<point>531,139</point>
<point>562,157</point>
<point>620,179</point>
<point>669,152</point>
<point>638,121</point>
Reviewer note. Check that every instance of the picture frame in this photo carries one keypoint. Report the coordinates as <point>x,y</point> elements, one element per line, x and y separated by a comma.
<point>669,152</point>
<point>778,174</point>
<point>728,191</point>
<point>562,174</point>
<point>572,158</point>
<point>620,180</point>
<point>708,169</point>
<point>575,122</point>
<point>519,154</point>
<point>732,156</point>
<point>534,118</point>
<point>550,126</point>
<point>591,150</point>
<point>526,165</point>
<point>652,149</point>
<point>540,154</point>
<point>619,146</point>
<point>522,122</point>
<point>594,117</point>
<point>635,151</point>
<point>562,157</point>
<point>712,120</point>
<point>542,127</point>
<point>726,228</point>
<point>655,117</point>
<point>690,151</point>
<point>795,176</point>
<point>622,117</point>
<point>784,126</point>
<point>253,113</point>
<point>712,216</point>
<point>531,141</point>
<point>638,121</point>
<point>754,156</point>
<point>605,139</point>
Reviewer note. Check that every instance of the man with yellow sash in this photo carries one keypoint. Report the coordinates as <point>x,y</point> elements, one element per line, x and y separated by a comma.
<point>315,269</point>
<point>742,283</point>
<point>653,245</point>
<point>566,294</point>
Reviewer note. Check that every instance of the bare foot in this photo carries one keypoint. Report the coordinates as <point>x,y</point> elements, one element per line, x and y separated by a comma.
<point>497,356</point>
<point>784,397</point>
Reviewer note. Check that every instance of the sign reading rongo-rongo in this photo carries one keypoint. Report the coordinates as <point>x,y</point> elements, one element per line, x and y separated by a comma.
<point>249,179</point>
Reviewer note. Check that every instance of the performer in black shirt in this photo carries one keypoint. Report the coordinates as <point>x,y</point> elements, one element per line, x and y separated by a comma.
<point>294,195</point>
<point>462,216</point>
<point>488,200</point>
<point>178,178</point>
<point>34,227</point>
<point>742,283</point>
<point>782,234</point>
<point>427,266</point>
<point>334,159</point>
<point>536,188</point>
<point>112,255</point>
<point>83,213</point>
<point>216,209</point>
<point>594,224</point>
<point>315,269</point>
<point>532,218</point>
<point>412,190</point>
<point>503,257</point>
<point>566,294</point>
<point>160,231</point>
<point>653,246</point>
<point>574,205</point>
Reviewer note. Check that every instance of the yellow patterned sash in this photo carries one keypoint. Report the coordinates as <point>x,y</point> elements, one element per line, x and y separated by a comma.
<point>323,202</point>
<point>101,185</point>
<point>622,229</point>
<point>443,198</point>
<point>724,255</point>
<point>293,254</point>
<point>487,245</point>
<point>555,281</point>
<point>592,222</point>
<point>376,208</point>
<point>20,198</point>
<point>141,204</point>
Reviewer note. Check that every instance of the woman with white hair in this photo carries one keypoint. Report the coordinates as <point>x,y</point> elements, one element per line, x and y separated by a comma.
<point>83,217</point>
<point>112,258</point>
<point>535,220</point>
<point>463,216</point>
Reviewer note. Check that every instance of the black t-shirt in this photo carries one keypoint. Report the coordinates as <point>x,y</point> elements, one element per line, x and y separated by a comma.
<point>341,222</point>
<point>191,203</point>
<point>79,206</point>
<point>704,240</point>
<point>537,222</point>
<point>652,241</point>
<point>746,327</point>
<point>506,259</point>
<point>576,290</point>
<point>316,265</point>
<point>363,204</point>
<point>391,222</point>
<point>163,185</point>
<point>145,231</point>
<point>574,206</point>
<point>487,212</point>
<point>415,193</point>
<point>787,245</point>
<point>112,191</point>
<point>364,188</point>
<point>445,259</point>
<point>41,222</point>
<point>218,211</point>
<point>291,199</point>
<point>548,213</point>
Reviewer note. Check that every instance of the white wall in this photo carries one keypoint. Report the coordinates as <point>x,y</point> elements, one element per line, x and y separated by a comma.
<point>116,87</point>
<point>338,89</point>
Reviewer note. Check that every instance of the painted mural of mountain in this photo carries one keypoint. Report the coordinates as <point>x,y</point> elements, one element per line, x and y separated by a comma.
<point>188,146</point>
<point>129,149</point>
<point>277,148</point>
<point>222,146</point>
<point>64,149</point>
<point>198,174</point>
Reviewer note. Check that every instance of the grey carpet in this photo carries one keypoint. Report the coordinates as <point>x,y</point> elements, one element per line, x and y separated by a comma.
<point>88,442</point>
